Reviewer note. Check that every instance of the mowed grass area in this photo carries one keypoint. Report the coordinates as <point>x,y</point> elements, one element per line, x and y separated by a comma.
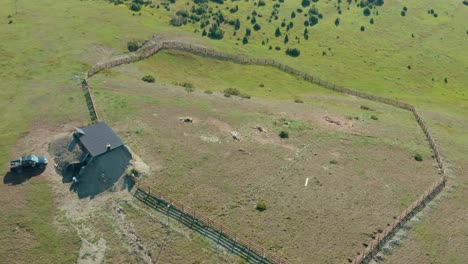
<point>200,165</point>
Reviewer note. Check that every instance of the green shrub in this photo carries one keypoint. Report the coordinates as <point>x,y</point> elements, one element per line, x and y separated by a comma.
<point>337,22</point>
<point>293,52</point>
<point>366,11</point>
<point>208,92</point>
<point>334,162</point>
<point>132,46</point>
<point>231,91</point>
<point>246,96</point>
<point>227,95</point>
<point>298,100</point>
<point>148,78</point>
<point>374,117</point>
<point>135,7</point>
<point>261,206</point>
<point>418,157</point>
<point>277,32</point>
<point>215,32</point>
<point>363,28</point>
<point>284,134</point>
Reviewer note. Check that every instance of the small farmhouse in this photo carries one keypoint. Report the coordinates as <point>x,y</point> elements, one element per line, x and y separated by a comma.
<point>105,158</point>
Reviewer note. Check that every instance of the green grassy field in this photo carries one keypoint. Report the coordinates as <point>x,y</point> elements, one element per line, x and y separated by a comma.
<point>49,44</point>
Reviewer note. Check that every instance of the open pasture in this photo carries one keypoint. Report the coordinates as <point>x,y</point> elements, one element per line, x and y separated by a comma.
<point>360,172</point>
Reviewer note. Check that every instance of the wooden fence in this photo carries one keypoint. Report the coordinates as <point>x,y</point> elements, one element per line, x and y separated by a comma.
<point>154,46</point>
<point>209,228</point>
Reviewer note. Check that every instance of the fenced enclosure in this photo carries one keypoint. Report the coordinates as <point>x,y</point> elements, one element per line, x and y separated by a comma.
<point>224,236</point>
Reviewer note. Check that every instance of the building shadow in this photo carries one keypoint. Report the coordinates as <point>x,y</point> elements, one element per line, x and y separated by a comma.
<point>103,172</point>
<point>15,178</point>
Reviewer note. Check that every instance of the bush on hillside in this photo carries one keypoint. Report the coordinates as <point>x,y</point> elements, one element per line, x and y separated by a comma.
<point>261,206</point>
<point>337,22</point>
<point>231,91</point>
<point>366,11</point>
<point>132,46</point>
<point>148,78</point>
<point>284,134</point>
<point>418,157</point>
<point>293,52</point>
<point>135,7</point>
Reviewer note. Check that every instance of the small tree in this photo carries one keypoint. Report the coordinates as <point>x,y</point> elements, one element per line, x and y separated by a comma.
<point>366,11</point>
<point>293,15</point>
<point>286,39</point>
<point>135,7</point>
<point>245,40</point>
<point>232,91</point>
<point>277,32</point>
<point>293,52</point>
<point>237,25</point>
<point>337,22</point>
<point>257,27</point>
<point>215,32</point>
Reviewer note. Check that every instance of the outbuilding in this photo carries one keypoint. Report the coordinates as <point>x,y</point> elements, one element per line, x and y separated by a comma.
<point>105,158</point>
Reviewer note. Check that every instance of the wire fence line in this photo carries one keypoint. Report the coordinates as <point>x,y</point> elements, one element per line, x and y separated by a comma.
<point>208,227</point>
<point>153,46</point>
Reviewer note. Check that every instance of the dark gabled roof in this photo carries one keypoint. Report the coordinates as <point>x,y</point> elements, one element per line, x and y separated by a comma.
<point>97,137</point>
